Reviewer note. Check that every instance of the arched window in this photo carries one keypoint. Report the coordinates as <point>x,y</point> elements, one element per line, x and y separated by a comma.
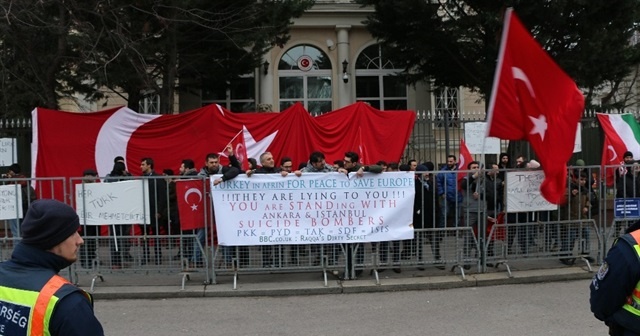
<point>305,76</point>
<point>376,80</point>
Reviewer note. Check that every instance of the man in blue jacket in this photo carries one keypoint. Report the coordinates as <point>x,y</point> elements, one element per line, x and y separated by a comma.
<point>34,299</point>
<point>451,198</point>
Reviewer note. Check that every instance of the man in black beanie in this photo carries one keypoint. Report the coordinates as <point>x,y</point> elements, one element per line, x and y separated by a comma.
<point>30,287</point>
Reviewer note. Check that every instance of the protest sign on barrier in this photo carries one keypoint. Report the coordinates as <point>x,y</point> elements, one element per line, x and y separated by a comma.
<point>8,151</point>
<point>523,192</point>
<point>316,208</point>
<point>125,202</point>
<point>10,201</point>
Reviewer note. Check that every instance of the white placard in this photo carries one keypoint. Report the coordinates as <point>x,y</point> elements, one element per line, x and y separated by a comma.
<point>10,201</point>
<point>125,202</point>
<point>8,151</point>
<point>474,135</point>
<point>523,192</point>
<point>316,208</point>
<point>577,146</point>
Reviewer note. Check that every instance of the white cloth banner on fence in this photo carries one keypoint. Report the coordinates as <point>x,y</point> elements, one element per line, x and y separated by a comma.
<point>523,192</point>
<point>10,201</point>
<point>474,135</point>
<point>316,208</point>
<point>125,202</point>
<point>577,146</point>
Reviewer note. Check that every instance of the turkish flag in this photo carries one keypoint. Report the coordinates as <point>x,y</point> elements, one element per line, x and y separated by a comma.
<point>362,148</point>
<point>239,150</point>
<point>533,99</point>
<point>610,158</point>
<point>463,160</point>
<point>191,199</point>
<point>168,139</point>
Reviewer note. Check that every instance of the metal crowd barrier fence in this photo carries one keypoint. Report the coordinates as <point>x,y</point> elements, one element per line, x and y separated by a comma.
<point>234,260</point>
<point>454,248</point>
<point>439,242</point>
<point>161,246</point>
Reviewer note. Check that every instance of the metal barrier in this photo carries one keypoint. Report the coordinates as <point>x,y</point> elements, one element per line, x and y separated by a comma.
<point>456,248</point>
<point>449,244</point>
<point>325,258</point>
<point>159,247</point>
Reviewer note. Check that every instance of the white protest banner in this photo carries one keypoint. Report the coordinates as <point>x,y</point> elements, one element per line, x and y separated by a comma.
<point>125,202</point>
<point>577,146</point>
<point>8,151</point>
<point>523,192</point>
<point>474,134</point>
<point>10,201</point>
<point>316,208</point>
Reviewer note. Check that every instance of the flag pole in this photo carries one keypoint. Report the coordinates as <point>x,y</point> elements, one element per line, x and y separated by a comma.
<point>231,141</point>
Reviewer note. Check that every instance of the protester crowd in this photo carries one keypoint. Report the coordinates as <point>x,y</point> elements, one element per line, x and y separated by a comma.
<point>451,202</point>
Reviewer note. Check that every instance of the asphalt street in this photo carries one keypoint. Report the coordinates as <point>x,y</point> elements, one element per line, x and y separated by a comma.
<point>555,308</point>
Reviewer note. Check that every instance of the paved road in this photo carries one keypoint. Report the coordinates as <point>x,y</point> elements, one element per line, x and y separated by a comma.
<point>559,308</point>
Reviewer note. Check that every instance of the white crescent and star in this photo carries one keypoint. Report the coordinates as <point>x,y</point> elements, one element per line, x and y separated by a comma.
<point>615,155</point>
<point>110,144</point>
<point>194,206</point>
<point>540,123</point>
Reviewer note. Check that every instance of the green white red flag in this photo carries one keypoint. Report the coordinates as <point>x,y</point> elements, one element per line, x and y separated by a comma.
<point>621,134</point>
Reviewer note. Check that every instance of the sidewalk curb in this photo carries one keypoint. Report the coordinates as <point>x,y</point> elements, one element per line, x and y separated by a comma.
<point>297,288</point>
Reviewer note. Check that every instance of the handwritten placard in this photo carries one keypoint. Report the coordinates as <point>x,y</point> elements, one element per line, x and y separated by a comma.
<point>125,202</point>
<point>10,201</point>
<point>316,208</point>
<point>8,152</point>
<point>474,135</point>
<point>523,192</point>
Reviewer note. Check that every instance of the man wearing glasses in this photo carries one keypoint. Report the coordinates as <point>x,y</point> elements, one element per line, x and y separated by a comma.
<point>351,165</point>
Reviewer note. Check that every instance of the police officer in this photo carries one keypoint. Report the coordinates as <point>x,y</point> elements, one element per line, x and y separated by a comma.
<point>34,299</point>
<point>615,289</point>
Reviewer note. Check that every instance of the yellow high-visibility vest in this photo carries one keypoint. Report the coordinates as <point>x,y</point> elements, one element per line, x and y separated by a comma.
<point>633,300</point>
<point>27,312</point>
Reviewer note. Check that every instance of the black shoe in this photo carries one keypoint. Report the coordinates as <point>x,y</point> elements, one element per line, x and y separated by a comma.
<point>420,268</point>
<point>397,270</point>
<point>467,267</point>
<point>567,261</point>
<point>358,273</point>
<point>490,265</point>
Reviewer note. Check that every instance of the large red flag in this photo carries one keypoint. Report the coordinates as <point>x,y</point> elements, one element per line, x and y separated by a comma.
<point>191,199</point>
<point>463,160</point>
<point>168,139</point>
<point>533,99</point>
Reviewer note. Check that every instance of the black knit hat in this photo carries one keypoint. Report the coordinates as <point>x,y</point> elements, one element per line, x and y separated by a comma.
<point>48,223</point>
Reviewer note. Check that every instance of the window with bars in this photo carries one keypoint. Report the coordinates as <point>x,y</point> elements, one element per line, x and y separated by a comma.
<point>310,84</point>
<point>377,82</point>
<point>446,107</point>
